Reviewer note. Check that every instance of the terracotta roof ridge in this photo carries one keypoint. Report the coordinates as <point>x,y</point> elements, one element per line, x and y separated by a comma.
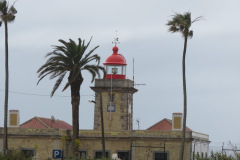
<point>164,119</point>
<point>154,124</point>
<point>38,118</point>
<point>43,118</point>
<point>28,121</point>
<point>168,120</point>
<point>51,119</point>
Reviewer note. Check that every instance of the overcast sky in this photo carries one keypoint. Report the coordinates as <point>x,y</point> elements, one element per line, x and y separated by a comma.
<point>212,62</point>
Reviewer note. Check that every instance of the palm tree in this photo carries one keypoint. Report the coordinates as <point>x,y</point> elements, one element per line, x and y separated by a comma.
<point>182,23</point>
<point>70,59</point>
<point>7,14</point>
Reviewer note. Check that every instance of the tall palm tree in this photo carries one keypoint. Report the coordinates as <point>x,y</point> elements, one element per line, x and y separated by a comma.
<point>182,23</point>
<point>69,58</point>
<point>7,14</point>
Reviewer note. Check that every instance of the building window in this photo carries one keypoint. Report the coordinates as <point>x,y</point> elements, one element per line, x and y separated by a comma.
<point>28,152</point>
<point>123,155</point>
<point>98,154</point>
<point>82,154</point>
<point>160,156</point>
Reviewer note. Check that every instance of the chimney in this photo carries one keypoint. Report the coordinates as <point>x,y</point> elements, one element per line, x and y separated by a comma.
<point>177,121</point>
<point>14,118</point>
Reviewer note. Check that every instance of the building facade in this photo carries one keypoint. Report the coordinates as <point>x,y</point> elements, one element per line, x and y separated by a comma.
<point>114,94</point>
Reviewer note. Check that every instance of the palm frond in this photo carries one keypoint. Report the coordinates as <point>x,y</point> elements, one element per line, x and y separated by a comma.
<point>69,57</point>
<point>89,59</point>
<point>82,47</point>
<point>173,29</point>
<point>43,75</point>
<point>190,34</point>
<point>66,86</point>
<point>3,7</point>
<point>90,52</point>
<point>57,84</point>
<point>57,73</point>
<point>198,19</point>
<point>182,23</point>
<point>94,70</point>
<point>12,10</point>
<point>7,13</point>
<point>8,18</point>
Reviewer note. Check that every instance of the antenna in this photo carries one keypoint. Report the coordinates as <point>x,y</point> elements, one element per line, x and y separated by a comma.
<point>142,84</point>
<point>53,119</point>
<point>115,41</point>
<point>134,84</point>
<point>111,99</point>
<point>138,122</point>
<point>133,71</point>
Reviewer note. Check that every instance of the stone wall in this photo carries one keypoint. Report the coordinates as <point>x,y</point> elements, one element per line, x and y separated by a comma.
<point>43,141</point>
<point>122,91</point>
<point>140,140</point>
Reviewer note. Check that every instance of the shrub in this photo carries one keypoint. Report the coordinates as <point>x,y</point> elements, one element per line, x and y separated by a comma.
<point>216,156</point>
<point>14,155</point>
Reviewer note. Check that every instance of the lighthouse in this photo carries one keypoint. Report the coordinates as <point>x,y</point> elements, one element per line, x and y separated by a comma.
<point>115,65</point>
<point>117,95</point>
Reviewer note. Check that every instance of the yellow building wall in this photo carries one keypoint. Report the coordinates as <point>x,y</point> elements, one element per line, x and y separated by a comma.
<point>45,140</point>
<point>121,141</point>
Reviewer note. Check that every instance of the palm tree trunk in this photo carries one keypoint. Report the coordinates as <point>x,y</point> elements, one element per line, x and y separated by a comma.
<point>75,95</point>
<point>5,140</point>
<point>185,99</point>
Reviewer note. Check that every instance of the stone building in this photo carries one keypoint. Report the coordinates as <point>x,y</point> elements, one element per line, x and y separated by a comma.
<point>115,95</point>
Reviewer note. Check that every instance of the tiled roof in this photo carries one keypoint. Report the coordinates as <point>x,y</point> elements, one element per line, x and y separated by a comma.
<point>38,122</point>
<point>164,125</point>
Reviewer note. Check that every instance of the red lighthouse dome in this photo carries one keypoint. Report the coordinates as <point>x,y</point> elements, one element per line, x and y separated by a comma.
<point>115,65</point>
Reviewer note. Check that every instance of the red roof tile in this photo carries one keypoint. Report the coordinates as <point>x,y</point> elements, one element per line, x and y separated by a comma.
<point>164,125</point>
<point>38,122</point>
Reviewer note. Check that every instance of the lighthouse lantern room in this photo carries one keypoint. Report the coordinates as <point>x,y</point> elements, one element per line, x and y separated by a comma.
<point>115,65</point>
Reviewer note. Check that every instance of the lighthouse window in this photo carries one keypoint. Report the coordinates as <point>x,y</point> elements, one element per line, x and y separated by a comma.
<point>118,69</point>
<point>124,70</point>
<point>114,70</point>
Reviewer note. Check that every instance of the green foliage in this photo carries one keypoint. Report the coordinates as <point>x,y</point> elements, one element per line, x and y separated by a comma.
<point>216,156</point>
<point>69,58</point>
<point>64,139</point>
<point>74,158</point>
<point>182,23</point>
<point>15,155</point>
<point>7,13</point>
